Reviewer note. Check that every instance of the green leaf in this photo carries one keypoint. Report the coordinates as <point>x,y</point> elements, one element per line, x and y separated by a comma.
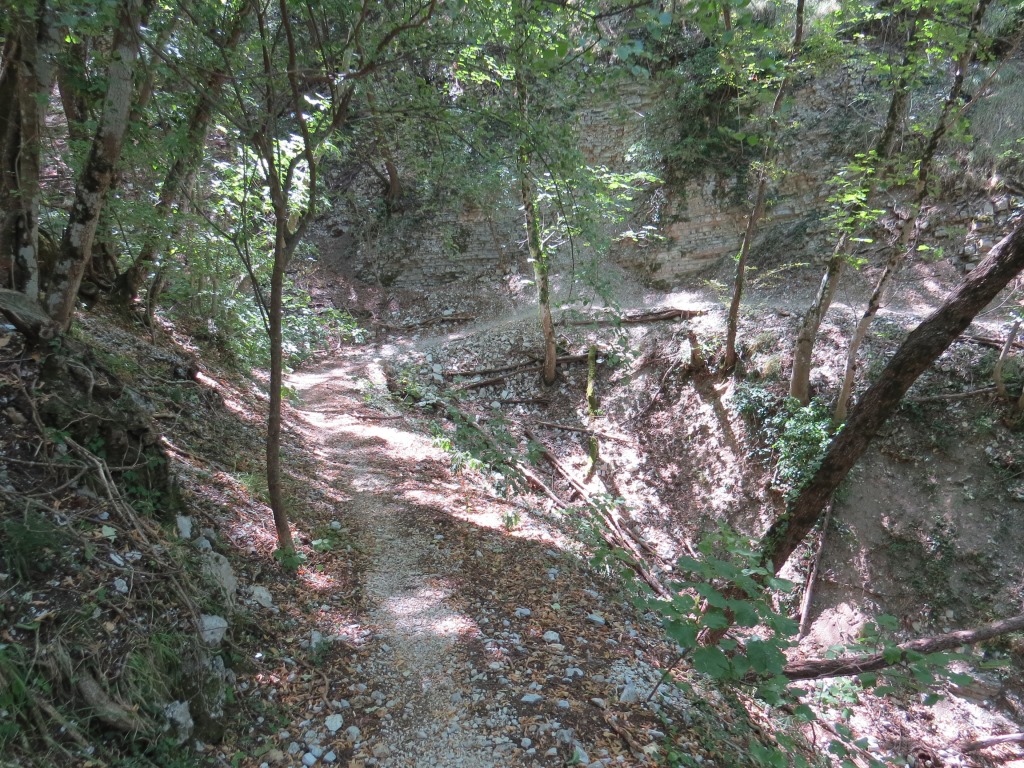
<point>892,654</point>
<point>108,532</point>
<point>712,595</point>
<point>712,662</point>
<point>765,657</point>
<point>683,633</point>
<point>714,620</point>
<point>744,613</point>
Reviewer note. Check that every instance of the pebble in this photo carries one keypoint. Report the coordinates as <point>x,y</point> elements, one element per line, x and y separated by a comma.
<point>309,759</point>
<point>334,723</point>
<point>531,698</point>
<point>352,733</point>
<point>523,613</point>
<point>551,636</point>
<point>594,618</point>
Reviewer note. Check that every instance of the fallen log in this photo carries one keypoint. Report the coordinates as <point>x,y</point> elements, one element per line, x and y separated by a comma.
<point>989,341</point>
<point>518,371</point>
<point>1008,738</point>
<point>583,431</point>
<point>489,371</point>
<point>814,669</point>
<point>638,318</point>
<point>458,318</point>
<point>952,396</point>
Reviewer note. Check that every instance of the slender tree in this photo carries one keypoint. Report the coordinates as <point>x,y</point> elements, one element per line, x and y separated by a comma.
<point>94,182</point>
<point>898,254</point>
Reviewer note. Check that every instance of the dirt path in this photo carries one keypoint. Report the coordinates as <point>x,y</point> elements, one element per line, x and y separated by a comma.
<point>434,700</point>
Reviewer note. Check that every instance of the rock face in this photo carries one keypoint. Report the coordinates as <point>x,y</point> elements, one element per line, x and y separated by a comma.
<point>687,227</point>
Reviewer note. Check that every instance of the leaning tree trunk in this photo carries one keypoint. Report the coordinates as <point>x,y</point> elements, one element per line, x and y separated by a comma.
<point>814,669</point>
<point>98,173</point>
<point>733,320</point>
<point>921,348</point>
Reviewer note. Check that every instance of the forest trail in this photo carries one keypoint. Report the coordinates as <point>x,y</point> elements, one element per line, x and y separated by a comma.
<point>414,670</point>
<point>474,660</point>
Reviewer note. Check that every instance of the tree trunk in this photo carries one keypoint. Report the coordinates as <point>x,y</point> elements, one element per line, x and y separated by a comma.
<point>921,348</point>
<point>798,33</point>
<point>72,97</point>
<point>10,144</point>
<point>803,352</point>
<point>284,533</point>
<point>733,321</point>
<point>97,175</point>
<point>541,263</point>
<point>182,168</point>
<point>814,669</point>
<point>33,84</point>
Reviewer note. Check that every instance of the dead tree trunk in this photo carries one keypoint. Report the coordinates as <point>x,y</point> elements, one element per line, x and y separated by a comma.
<point>921,348</point>
<point>813,669</point>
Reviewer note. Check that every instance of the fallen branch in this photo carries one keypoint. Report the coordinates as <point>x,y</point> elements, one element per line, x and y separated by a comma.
<point>1009,738</point>
<point>518,371</point>
<point>459,318</point>
<point>988,341</point>
<point>812,578</point>
<point>814,669</point>
<point>583,431</point>
<point>952,396</point>
<point>108,711</point>
<point>695,363</point>
<point>531,477</point>
<point>524,401</point>
<point>622,537</point>
<point>637,318</point>
<point>489,371</point>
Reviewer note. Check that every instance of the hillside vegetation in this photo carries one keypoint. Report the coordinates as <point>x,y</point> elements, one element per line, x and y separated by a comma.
<point>528,384</point>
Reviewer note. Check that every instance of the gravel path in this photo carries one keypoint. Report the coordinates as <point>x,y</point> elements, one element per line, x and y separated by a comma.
<point>432,705</point>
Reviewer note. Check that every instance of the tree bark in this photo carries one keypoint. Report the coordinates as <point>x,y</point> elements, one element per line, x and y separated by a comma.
<point>528,196</point>
<point>733,321</point>
<point>98,173</point>
<point>814,669</point>
<point>10,144</point>
<point>803,351</point>
<point>33,84</point>
<point>921,348</point>
<point>541,268</point>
